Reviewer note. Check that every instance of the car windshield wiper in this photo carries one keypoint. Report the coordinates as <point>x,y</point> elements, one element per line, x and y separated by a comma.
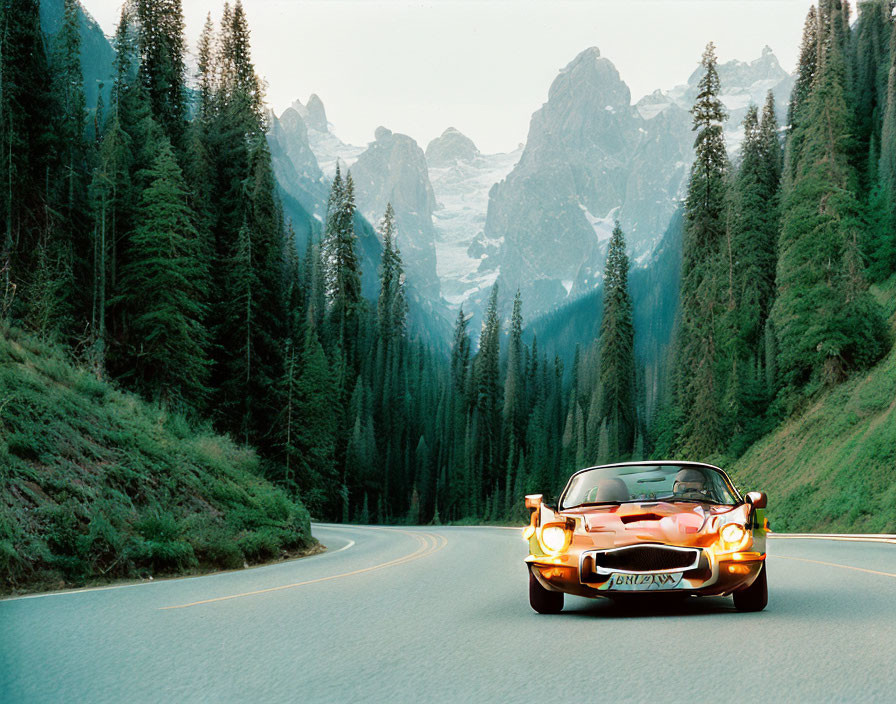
<point>594,503</point>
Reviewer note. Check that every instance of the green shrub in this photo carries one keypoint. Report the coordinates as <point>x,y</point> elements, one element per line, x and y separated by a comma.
<point>213,543</point>
<point>104,485</point>
<point>260,545</point>
<point>159,545</point>
<point>24,446</point>
<point>92,388</point>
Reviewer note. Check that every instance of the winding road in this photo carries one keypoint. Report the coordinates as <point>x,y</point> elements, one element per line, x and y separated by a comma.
<point>440,614</point>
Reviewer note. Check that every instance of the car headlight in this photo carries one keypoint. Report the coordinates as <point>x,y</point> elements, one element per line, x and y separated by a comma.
<point>554,538</point>
<point>733,533</point>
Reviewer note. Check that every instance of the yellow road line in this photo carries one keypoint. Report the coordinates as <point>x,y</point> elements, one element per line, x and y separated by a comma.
<point>424,549</point>
<point>834,564</point>
<point>841,538</point>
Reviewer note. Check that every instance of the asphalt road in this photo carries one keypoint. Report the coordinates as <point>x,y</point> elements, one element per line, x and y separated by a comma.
<point>441,615</point>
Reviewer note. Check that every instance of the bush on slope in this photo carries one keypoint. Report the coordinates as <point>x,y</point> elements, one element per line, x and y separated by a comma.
<point>96,484</point>
<point>832,468</point>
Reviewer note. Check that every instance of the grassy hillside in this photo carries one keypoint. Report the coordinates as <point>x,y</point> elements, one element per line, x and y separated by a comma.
<point>833,467</point>
<point>96,484</point>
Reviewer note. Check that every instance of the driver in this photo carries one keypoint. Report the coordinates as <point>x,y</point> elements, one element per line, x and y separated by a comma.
<point>689,483</point>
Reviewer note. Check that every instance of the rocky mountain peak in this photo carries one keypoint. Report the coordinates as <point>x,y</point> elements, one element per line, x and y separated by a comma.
<point>393,170</point>
<point>317,116</point>
<point>590,72</point>
<point>291,121</point>
<point>450,148</point>
<point>741,75</point>
<point>312,112</point>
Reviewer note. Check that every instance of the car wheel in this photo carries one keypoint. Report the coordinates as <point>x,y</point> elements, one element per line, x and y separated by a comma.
<point>754,597</point>
<point>543,600</point>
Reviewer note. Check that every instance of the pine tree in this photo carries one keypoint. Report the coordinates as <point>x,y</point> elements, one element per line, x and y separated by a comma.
<point>617,351</point>
<point>882,249</point>
<point>343,266</point>
<point>754,228</point>
<point>239,82</point>
<point>112,199</point>
<point>69,89</point>
<point>161,287</point>
<point>770,143</point>
<point>826,322</point>
<point>592,426</point>
<point>872,59</point>
<point>704,275</point>
<point>240,223</point>
<point>806,70</point>
<point>514,382</point>
<point>162,64</point>
<point>67,240</point>
<point>488,404</point>
<point>127,61</point>
<point>290,421</point>
<point>27,120</point>
<point>392,304</point>
<point>460,353</point>
<point>265,219</point>
<point>315,434</point>
<point>205,72</point>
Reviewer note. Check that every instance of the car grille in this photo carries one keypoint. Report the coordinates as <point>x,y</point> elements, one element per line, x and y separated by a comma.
<point>645,558</point>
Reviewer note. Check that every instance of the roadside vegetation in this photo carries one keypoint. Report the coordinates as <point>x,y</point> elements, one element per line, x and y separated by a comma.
<point>147,256</point>
<point>96,484</point>
<point>832,468</point>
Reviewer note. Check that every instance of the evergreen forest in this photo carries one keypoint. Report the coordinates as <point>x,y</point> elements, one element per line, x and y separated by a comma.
<point>145,245</point>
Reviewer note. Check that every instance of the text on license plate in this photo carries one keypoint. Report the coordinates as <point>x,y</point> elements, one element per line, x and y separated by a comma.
<point>636,582</point>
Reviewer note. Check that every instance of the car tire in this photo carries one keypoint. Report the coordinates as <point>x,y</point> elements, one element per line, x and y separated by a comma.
<point>543,600</point>
<point>754,597</point>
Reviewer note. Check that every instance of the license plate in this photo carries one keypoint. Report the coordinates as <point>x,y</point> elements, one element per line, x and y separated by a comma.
<point>643,582</point>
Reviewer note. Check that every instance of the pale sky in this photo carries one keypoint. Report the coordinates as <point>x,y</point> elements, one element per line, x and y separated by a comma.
<point>482,66</point>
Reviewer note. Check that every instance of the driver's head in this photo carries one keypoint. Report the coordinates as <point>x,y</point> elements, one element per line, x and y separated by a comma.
<point>688,480</point>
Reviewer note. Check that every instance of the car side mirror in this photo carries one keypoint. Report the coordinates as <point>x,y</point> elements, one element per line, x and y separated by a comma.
<point>534,501</point>
<point>757,499</point>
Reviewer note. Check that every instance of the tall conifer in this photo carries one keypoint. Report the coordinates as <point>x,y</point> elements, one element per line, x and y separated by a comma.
<point>488,400</point>
<point>805,75</point>
<point>882,247</point>
<point>754,228</point>
<point>704,277</point>
<point>27,117</point>
<point>827,324</point>
<point>162,64</point>
<point>343,266</point>
<point>617,351</point>
<point>161,287</point>
<point>514,381</point>
<point>392,304</point>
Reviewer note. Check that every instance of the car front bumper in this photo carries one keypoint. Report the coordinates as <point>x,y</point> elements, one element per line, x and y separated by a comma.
<point>715,574</point>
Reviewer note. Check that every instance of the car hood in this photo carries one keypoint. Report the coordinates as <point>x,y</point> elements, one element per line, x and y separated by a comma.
<point>673,523</point>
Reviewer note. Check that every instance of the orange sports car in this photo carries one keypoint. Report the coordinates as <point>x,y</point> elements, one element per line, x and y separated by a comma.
<point>645,527</point>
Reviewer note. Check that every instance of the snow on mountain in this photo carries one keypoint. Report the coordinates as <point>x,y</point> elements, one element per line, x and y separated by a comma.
<point>592,156</point>
<point>461,178</point>
<point>393,170</point>
<point>743,83</point>
<point>539,217</point>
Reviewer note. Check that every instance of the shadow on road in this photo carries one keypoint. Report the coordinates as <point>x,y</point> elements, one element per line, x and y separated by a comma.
<point>649,606</point>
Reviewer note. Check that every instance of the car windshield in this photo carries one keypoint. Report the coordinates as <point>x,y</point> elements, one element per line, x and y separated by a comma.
<point>647,482</point>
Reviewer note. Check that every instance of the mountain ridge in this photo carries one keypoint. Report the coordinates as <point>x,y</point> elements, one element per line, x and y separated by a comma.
<point>592,155</point>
